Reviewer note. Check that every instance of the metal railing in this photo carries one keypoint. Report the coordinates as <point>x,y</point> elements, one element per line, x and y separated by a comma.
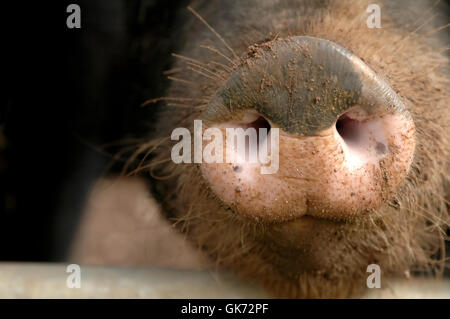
<point>45,280</point>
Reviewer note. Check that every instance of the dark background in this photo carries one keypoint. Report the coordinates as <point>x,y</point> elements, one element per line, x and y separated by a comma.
<point>69,91</point>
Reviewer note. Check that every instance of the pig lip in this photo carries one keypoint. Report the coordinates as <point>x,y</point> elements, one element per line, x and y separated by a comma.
<point>322,221</point>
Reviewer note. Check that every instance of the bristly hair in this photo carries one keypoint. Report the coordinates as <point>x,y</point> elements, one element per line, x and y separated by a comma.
<point>406,235</point>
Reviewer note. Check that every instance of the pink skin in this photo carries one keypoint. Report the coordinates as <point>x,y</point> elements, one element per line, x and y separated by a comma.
<point>331,175</point>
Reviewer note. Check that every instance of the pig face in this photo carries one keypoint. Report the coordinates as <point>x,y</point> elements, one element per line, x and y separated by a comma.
<point>362,119</point>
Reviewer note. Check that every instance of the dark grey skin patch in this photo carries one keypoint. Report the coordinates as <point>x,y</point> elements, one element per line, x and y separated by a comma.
<point>300,84</point>
<point>237,169</point>
<point>381,148</point>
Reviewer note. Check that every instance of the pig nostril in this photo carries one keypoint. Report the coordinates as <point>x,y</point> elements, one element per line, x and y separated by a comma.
<point>256,132</point>
<point>257,122</point>
<point>348,128</point>
<point>364,136</point>
<point>260,122</point>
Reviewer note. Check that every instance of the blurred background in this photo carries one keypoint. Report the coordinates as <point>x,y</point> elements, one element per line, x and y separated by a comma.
<point>69,92</point>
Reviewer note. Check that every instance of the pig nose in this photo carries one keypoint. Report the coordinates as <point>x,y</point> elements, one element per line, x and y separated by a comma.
<point>345,140</point>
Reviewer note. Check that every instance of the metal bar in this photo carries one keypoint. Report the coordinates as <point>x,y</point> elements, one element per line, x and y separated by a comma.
<point>42,280</point>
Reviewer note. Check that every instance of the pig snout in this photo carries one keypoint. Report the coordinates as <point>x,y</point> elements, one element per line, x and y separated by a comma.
<point>345,140</point>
